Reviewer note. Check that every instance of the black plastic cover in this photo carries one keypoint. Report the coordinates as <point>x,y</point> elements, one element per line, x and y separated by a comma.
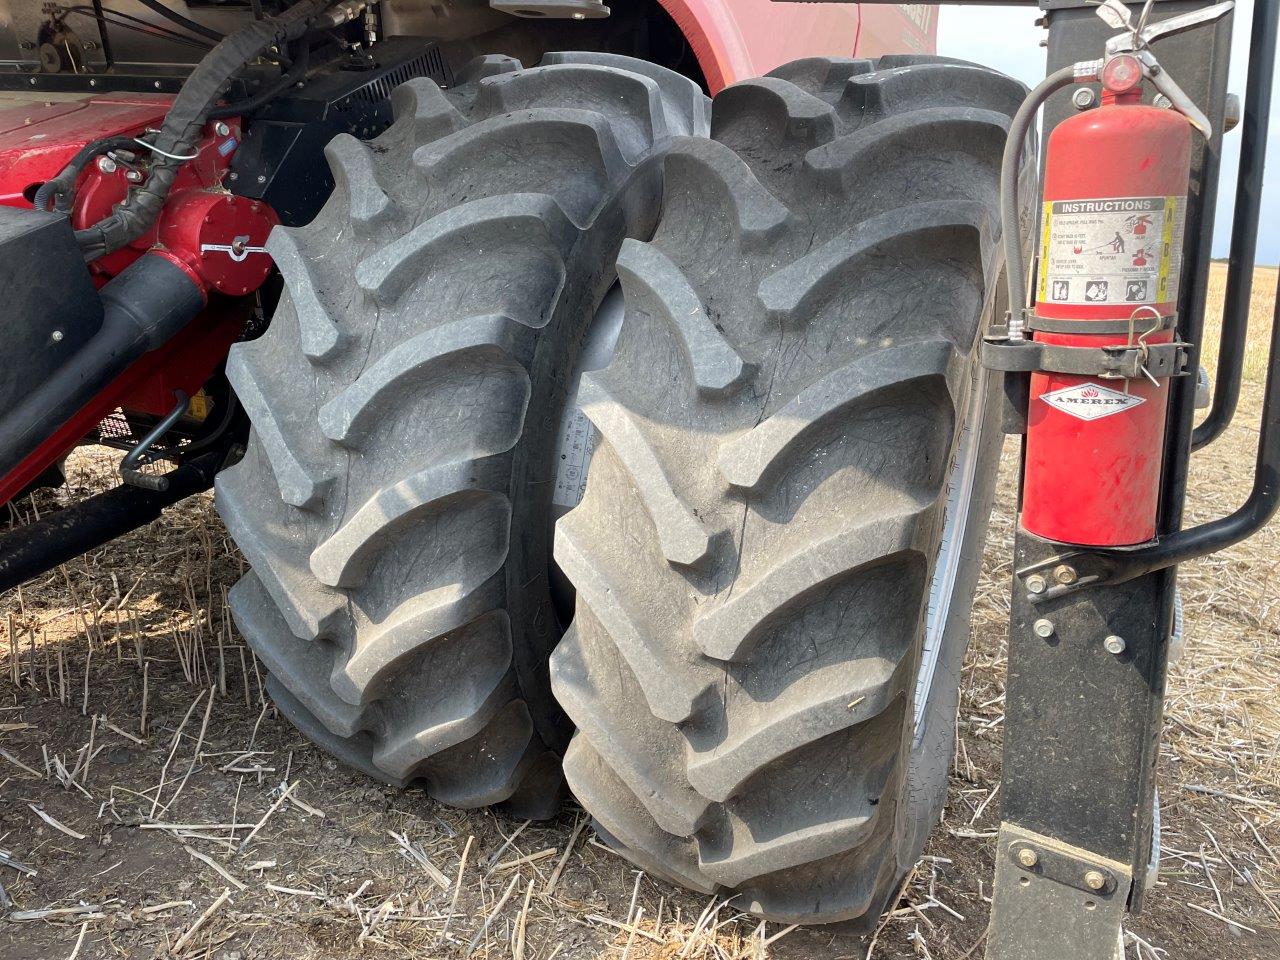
<point>50,307</point>
<point>281,160</point>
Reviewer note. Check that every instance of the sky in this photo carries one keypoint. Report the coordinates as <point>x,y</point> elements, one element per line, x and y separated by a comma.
<point>1006,38</point>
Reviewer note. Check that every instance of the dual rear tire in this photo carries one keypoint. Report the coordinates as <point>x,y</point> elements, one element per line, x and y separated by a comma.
<point>784,515</point>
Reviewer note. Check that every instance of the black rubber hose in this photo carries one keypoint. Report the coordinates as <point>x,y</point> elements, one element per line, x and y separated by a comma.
<point>37,547</point>
<point>295,73</point>
<point>190,111</point>
<point>143,307</point>
<point>1015,268</point>
<point>62,187</point>
<point>174,17</point>
<point>125,21</point>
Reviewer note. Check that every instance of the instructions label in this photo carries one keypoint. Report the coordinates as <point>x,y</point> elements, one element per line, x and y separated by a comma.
<point>1122,251</point>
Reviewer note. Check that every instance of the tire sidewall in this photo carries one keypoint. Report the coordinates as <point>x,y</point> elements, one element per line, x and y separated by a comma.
<point>590,272</point>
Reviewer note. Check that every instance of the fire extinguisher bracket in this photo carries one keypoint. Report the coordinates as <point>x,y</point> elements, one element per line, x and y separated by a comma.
<point>1118,362</point>
<point>1096,327</point>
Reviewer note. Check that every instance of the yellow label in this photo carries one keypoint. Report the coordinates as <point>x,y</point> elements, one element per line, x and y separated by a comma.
<point>198,407</point>
<point>1111,251</point>
<point>1171,219</point>
<point>1046,221</point>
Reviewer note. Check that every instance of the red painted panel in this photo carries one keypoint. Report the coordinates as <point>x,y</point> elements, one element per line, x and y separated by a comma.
<point>737,39</point>
<point>897,28</point>
<point>37,140</point>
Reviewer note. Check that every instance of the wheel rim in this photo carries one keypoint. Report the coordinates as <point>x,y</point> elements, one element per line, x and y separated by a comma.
<point>961,481</point>
<point>576,436</point>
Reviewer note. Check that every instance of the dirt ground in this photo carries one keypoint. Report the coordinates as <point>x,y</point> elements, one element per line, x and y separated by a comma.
<point>151,804</point>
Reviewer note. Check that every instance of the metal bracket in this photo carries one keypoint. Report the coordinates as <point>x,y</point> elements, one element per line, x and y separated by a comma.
<point>1042,857</point>
<point>1114,362</point>
<point>1126,326</point>
<point>1052,900</point>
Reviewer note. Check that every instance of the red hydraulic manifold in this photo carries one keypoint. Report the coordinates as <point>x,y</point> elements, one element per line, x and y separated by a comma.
<point>1115,193</point>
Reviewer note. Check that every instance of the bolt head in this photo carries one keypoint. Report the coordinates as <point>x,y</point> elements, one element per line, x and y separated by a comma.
<point>1043,628</point>
<point>56,336</point>
<point>221,129</point>
<point>1114,644</point>
<point>1084,98</point>
<point>1028,857</point>
<point>1065,574</point>
<point>133,176</point>
<point>262,178</point>
<point>1094,880</point>
<point>1036,583</point>
<point>106,165</point>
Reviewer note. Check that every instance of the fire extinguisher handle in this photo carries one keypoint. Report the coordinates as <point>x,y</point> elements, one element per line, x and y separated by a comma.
<point>1148,33</point>
<point>1166,85</point>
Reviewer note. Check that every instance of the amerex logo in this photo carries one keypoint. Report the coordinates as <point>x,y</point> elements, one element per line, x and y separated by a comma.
<point>1089,401</point>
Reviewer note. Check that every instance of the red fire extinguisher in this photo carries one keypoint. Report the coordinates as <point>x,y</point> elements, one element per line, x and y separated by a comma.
<point>1103,326</point>
<point>1115,189</point>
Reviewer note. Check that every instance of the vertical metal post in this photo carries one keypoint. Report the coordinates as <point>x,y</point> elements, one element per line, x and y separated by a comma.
<point>102,34</point>
<point>1085,691</point>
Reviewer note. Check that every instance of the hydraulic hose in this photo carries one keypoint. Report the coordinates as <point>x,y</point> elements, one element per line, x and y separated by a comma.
<point>295,73</point>
<point>61,186</point>
<point>189,113</point>
<point>187,24</point>
<point>1015,267</point>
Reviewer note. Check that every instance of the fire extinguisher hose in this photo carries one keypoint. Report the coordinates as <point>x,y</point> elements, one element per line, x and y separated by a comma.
<point>1015,267</point>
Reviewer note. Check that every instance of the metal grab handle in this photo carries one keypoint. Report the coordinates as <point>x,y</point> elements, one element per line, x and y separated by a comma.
<point>1244,225</point>
<point>1123,564</point>
<point>129,471</point>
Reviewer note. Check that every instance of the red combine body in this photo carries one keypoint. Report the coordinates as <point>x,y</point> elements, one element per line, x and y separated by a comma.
<point>201,216</point>
<point>213,236</point>
<point>740,39</point>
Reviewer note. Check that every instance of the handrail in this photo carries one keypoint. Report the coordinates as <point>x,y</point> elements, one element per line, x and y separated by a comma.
<point>1244,227</point>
